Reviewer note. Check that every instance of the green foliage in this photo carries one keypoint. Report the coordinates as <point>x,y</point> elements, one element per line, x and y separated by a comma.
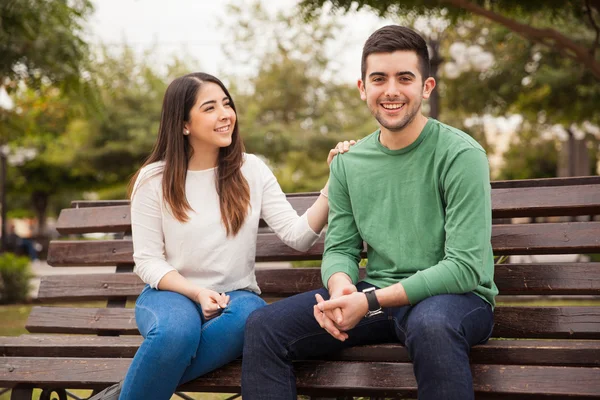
<point>529,156</point>
<point>41,42</point>
<point>14,278</point>
<point>131,92</point>
<point>292,111</point>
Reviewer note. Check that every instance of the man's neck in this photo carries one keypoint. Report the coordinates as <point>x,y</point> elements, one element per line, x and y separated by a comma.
<point>396,140</point>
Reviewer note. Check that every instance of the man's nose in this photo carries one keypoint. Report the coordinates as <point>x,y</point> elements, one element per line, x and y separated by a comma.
<point>392,89</point>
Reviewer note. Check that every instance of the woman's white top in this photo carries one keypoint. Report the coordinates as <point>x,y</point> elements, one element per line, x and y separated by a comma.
<point>200,249</point>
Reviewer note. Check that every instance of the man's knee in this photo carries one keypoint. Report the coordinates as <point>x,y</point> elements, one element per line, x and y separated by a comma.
<point>433,327</point>
<point>260,320</point>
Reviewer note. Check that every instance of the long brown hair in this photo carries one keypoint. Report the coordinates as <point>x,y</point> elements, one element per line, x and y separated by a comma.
<point>174,148</point>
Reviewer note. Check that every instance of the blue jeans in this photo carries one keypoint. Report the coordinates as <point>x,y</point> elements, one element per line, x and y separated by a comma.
<point>180,344</point>
<point>438,333</point>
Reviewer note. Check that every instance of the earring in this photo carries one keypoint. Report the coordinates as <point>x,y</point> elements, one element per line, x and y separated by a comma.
<point>186,132</point>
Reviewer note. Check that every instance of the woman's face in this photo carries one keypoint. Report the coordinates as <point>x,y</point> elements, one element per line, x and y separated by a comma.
<point>212,119</point>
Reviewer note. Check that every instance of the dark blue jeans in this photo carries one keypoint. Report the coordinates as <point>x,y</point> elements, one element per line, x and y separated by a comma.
<point>438,333</point>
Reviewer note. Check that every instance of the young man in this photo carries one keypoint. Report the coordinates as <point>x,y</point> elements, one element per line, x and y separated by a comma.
<point>418,193</point>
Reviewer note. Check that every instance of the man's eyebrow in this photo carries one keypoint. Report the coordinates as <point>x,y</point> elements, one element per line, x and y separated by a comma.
<point>377,74</point>
<point>406,73</point>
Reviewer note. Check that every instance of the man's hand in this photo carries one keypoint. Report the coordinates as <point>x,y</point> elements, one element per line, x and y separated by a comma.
<point>342,288</point>
<point>325,321</point>
<point>353,308</point>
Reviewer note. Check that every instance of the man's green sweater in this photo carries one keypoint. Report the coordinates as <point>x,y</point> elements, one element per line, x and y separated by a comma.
<point>424,212</point>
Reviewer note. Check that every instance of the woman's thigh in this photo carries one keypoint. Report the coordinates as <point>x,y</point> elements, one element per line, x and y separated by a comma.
<point>169,313</point>
<point>222,338</point>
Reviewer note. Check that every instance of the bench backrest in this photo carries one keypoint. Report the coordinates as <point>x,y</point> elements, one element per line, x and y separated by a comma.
<point>570,202</point>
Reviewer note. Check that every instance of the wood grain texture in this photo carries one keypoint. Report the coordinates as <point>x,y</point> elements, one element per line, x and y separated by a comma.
<point>519,352</point>
<point>511,279</point>
<point>510,322</point>
<point>550,238</point>
<point>318,377</point>
<point>506,203</point>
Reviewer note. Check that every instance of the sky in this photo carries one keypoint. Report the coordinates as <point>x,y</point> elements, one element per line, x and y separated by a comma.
<point>193,30</point>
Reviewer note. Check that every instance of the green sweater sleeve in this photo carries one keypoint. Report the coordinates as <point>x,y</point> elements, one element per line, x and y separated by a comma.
<point>343,242</point>
<point>468,226</point>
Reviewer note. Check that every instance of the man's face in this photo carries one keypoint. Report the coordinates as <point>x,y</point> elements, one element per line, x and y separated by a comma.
<point>394,89</point>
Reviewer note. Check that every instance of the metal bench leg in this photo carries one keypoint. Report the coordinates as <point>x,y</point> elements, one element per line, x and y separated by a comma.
<point>47,394</point>
<point>21,393</point>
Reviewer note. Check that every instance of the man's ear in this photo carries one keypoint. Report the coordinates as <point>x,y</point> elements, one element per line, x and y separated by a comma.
<point>428,87</point>
<point>361,89</point>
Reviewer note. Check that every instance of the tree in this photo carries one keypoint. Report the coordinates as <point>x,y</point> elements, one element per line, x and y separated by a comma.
<point>41,43</point>
<point>52,128</point>
<point>524,79</point>
<point>580,45</point>
<point>42,40</point>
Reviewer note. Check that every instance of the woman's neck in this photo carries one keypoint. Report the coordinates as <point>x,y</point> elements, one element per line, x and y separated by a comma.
<point>204,159</point>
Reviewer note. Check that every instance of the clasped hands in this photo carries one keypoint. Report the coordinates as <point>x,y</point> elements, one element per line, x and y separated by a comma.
<point>345,308</point>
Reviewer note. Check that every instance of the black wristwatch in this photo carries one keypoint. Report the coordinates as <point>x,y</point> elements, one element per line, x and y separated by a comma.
<point>374,307</point>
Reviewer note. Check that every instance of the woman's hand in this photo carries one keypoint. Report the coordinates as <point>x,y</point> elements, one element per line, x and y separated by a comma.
<point>211,302</point>
<point>340,148</point>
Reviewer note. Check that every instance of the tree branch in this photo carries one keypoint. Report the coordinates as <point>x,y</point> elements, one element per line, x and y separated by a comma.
<point>545,36</point>
<point>594,25</point>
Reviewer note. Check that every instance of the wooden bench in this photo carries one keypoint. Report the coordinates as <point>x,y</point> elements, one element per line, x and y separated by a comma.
<point>560,357</point>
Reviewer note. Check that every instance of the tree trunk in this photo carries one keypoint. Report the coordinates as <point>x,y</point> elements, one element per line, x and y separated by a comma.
<point>435,61</point>
<point>3,165</point>
<point>39,200</point>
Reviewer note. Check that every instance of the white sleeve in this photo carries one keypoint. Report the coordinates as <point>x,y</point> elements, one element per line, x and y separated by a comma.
<point>279,214</point>
<point>147,232</point>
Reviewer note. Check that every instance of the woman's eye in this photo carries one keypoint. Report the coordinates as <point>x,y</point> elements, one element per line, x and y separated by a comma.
<point>209,109</point>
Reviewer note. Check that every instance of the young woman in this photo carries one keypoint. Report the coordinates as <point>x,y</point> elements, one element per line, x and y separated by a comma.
<point>195,208</point>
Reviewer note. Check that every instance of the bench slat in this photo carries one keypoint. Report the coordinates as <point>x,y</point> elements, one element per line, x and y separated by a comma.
<point>510,322</point>
<point>315,377</point>
<point>550,238</point>
<point>506,203</point>
<point>522,352</point>
<point>511,279</point>
<point>544,182</point>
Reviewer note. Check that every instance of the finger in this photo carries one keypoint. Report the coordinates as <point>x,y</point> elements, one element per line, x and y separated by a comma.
<point>330,305</point>
<point>337,315</point>
<point>223,301</point>
<point>352,142</point>
<point>328,325</point>
<point>346,145</point>
<point>332,329</point>
<point>318,316</point>
<point>332,154</point>
<point>319,298</point>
